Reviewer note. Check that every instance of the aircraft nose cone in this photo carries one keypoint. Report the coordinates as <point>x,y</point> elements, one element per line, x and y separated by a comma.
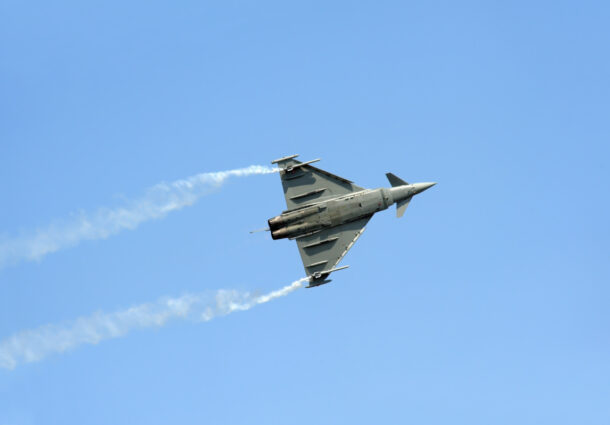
<point>420,187</point>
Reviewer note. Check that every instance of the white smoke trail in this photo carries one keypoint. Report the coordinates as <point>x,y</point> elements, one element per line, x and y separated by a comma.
<point>35,344</point>
<point>158,201</point>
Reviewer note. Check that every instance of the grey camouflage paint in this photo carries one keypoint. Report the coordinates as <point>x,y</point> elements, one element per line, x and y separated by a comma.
<point>326,213</point>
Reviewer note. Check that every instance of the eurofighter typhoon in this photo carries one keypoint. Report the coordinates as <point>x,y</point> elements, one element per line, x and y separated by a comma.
<point>326,213</point>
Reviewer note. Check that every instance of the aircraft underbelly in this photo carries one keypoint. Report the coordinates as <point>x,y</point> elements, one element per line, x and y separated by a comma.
<point>353,208</point>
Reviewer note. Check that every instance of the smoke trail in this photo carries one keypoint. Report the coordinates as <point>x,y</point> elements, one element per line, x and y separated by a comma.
<point>158,201</point>
<point>35,344</point>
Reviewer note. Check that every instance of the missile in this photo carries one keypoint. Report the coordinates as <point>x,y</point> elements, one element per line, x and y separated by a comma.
<point>318,275</point>
<point>286,158</point>
<point>291,168</point>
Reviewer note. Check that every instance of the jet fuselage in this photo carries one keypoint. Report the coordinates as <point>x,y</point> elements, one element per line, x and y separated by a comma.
<point>312,218</point>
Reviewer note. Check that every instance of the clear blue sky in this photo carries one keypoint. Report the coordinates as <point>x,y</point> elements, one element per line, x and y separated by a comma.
<point>486,303</point>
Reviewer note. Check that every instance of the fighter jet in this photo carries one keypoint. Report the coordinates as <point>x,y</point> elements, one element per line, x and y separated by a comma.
<point>326,213</point>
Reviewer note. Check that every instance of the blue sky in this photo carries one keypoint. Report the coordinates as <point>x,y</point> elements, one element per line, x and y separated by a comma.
<point>486,303</point>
